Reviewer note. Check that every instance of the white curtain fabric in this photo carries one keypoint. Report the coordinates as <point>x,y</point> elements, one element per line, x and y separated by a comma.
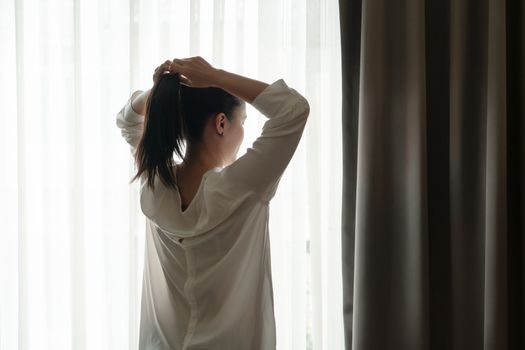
<point>71,229</point>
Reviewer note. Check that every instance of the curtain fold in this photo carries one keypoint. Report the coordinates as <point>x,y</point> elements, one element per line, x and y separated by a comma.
<point>71,227</point>
<point>433,129</point>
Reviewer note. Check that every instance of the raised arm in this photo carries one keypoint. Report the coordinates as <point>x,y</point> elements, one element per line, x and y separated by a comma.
<point>199,73</point>
<point>138,101</point>
<point>260,169</point>
<point>130,122</point>
<point>130,118</point>
<point>139,98</point>
<point>243,87</point>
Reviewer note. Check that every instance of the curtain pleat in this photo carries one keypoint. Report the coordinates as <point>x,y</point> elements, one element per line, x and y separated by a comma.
<point>515,143</point>
<point>76,198</point>
<point>437,32</point>
<point>350,33</point>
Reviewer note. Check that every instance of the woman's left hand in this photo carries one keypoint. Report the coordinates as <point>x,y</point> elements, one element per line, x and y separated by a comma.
<point>162,69</point>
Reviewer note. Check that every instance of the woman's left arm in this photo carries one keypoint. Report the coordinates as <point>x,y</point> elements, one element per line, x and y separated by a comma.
<point>138,101</point>
<point>130,119</point>
<point>139,98</point>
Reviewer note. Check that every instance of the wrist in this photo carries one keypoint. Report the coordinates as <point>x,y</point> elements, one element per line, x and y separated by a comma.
<point>217,77</point>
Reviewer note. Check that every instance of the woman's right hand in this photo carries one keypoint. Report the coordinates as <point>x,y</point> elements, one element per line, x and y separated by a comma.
<point>194,71</point>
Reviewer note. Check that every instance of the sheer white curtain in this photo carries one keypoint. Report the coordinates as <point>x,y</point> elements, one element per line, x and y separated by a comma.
<point>71,230</point>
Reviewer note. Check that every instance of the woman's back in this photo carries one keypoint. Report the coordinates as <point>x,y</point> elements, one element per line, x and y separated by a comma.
<point>207,269</point>
<point>187,183</point>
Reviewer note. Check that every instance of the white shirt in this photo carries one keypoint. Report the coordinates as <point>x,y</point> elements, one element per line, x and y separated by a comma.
<point>213,290</point>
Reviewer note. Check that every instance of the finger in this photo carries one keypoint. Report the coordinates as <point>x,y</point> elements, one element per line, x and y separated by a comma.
<point>161,69</point>
<point>174,68</point>
<point>164,66</point>
<point>185,80</point>
<point>177,67</point>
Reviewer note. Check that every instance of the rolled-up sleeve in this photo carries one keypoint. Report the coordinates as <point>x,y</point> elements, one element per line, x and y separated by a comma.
<point>131,124</point>
<point>261,167</point>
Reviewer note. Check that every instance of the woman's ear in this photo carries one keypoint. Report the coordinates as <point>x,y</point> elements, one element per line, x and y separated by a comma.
<point>220,123</point>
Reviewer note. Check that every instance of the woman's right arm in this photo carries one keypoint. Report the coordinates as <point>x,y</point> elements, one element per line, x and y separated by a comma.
<point>196,72</point>
<point>243,87</point>
<point>260,169</point>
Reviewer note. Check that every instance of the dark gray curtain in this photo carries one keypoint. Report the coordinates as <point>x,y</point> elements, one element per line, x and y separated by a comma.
<point>434,153</point>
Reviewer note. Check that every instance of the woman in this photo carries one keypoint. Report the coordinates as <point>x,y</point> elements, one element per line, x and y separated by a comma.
<point>207,272</point>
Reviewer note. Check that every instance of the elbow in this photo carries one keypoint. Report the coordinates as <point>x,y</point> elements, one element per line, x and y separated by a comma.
<point>305,111</point>
<point>119,118</point>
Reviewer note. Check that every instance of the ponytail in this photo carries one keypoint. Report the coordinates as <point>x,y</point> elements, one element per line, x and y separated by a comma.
<point>164,132</point>
<point>175,115</point>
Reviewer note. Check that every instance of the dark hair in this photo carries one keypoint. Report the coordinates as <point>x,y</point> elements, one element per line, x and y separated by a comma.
<point>176,114</point>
